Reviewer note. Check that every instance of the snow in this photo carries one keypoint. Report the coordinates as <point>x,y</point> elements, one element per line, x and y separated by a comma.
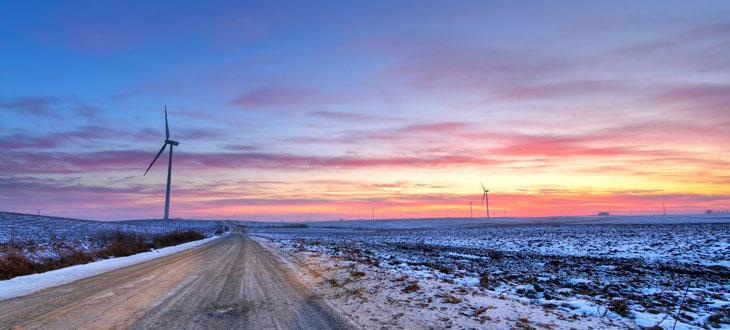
<point>451,222</point>
<point>16,227</point>
<point>377,300</point>
<point>576,265</point>
<point>23,285</point>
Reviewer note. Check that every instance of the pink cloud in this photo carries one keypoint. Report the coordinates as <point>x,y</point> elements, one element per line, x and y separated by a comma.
<point>706,99</point>
<point>130,160</point>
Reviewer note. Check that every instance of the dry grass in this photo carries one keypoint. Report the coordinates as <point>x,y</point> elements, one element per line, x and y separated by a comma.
<point>449,299</point>
<point>620,307</point>
<point>333,283</point>
<point>119,244</point>
<point>175,238</point>
<point>413,287</point>
<point>523,323</point>
<point>484,281</point>
<point>401,279</point>
<point>123,244</point>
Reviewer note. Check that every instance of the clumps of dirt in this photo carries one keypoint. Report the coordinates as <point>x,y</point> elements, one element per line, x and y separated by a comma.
<point>485,282</point>
<point>482,310</point>
<point>523,323</point>
<point>620,307</point>
<point>717,319</point>
<point>401,279</point>
<point>449,299</point>
<point>412,287</point>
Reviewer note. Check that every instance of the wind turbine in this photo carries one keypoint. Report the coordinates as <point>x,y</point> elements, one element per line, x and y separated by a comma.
<point>485,199</point>
<point>169,165</point>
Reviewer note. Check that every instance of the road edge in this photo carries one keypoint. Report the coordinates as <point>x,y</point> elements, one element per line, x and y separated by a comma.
<point>25,285</point>
<point>291,266</point>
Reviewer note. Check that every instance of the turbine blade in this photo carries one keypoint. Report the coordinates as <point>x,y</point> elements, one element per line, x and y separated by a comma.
<point>158,156</point>
<point>167,129</point>
<point>483,186</point>
<point>483,195</point>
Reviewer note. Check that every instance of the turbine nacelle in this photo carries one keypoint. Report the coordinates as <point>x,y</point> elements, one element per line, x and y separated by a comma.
<point>485,199</point>
<point>172,142</point>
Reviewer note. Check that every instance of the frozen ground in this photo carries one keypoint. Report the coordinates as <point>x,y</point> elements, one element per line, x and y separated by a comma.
<point>44,236</point>
<point>379,298</point>
<point>637,269</point>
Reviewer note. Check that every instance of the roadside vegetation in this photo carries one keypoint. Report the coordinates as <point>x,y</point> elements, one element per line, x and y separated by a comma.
<point>14,261</point>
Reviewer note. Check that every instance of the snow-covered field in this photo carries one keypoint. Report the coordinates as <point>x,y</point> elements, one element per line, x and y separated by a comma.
<point>635,269</point>
<point>44,236</point>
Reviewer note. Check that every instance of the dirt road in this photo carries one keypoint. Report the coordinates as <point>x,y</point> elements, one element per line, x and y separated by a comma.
<point>230,282</point>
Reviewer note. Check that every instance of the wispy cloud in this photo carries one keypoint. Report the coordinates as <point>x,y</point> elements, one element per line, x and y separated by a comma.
<point>354,117</point>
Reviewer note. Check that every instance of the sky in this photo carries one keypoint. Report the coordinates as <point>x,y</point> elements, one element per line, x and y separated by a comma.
<point>322,110</point>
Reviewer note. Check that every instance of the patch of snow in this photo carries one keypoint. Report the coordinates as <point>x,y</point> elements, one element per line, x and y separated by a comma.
<point>575,281</point>
<point>650,320</point>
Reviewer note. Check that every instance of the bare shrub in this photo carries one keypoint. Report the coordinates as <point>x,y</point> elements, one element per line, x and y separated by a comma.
<point>176,237</point>
<point>118,244</point>
<point>14,263</point>
<point>73,257</point>
<point>124,244</point>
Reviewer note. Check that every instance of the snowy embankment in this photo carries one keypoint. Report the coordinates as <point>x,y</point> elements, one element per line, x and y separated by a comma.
<point>23,285</point>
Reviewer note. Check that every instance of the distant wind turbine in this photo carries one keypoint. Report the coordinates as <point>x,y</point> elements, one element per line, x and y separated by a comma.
<point>485,199</point>
<point>169,165</point>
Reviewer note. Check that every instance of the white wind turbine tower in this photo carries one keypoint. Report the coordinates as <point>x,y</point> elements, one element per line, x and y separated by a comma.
<point>485,199</point>
<point>169,165</point>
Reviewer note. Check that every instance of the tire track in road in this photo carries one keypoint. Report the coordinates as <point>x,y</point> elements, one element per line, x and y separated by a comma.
<point>231,282</point>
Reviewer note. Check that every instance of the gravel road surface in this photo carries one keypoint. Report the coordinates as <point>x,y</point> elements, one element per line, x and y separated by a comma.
<point>228,283</point>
